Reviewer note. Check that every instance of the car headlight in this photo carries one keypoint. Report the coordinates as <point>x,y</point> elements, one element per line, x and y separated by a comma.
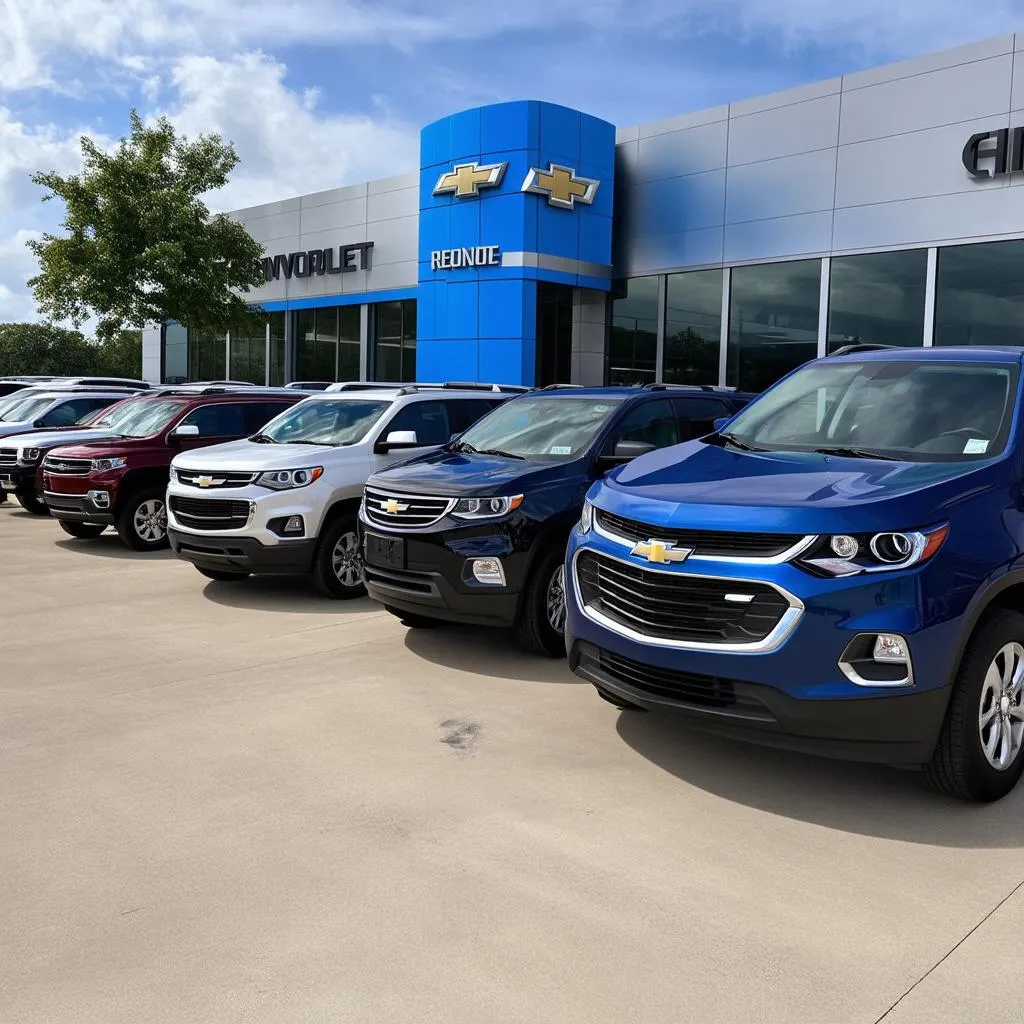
<point>486,508</point>
<point>102,465</point>
<point>851,554</point>
<point>173,475</point>
<point>289,479</point>
<point>29,456</point>
<point>586,517</point>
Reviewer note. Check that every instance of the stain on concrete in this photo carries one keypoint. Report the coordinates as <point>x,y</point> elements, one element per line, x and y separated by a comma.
<point>460,734</point>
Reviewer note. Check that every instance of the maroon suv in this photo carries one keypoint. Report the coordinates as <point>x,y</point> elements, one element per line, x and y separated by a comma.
<point>122,481</point>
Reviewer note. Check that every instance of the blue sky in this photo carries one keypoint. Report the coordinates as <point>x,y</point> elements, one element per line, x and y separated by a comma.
<point>326,92</point>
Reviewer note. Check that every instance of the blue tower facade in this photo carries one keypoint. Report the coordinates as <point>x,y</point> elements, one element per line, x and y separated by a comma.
<point>511,195</point>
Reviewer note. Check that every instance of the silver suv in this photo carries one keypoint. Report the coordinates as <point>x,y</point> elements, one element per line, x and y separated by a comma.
<point>285,501</point>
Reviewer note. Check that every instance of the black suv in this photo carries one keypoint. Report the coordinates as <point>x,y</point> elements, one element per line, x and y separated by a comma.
<point>476,531</point>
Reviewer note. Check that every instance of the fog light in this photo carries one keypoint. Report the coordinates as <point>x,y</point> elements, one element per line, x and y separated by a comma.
<point>101,499</point>
<point>891,649</point>
<point>293,524</point>
<point>488,571</point>
<point>845,546</point>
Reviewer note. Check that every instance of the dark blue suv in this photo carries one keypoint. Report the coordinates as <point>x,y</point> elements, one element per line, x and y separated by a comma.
<point>476,532</point>
<point>838,569</point>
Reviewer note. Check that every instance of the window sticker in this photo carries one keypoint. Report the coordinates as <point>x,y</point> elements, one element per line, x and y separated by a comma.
<point>561,449</point>
<point>975,447</point>
<point>601,408</point>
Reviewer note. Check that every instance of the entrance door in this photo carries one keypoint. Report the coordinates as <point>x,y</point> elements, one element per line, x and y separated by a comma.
<point>554,334</point>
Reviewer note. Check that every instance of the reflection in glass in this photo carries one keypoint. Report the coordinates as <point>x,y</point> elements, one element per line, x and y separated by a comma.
<point>207,355</point>
<point>316,344</point>
<point>634,334</point>
<point>693,327</point>
<point>277,349</point>
<point>979,294</point>
<point>395,341</point>
<point>249,356</point>
<point>877,298</point>
<point>773,321</point>
<point>175,353</point>
<point>348,350</point>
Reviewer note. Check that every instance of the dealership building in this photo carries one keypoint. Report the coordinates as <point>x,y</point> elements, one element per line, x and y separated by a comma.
<point>537,244</point>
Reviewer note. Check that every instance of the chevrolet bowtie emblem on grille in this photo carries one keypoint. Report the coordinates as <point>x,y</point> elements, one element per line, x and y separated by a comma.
<point>561,186</point>
<point>392,507</point>
<point>467,179</point>
<point>207,481</point>
<point>661,551</point>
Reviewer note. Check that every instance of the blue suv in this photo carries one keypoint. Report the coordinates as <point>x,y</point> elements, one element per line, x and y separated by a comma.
<point>838,569</point>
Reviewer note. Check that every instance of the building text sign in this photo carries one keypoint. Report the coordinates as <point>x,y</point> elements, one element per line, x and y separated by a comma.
<point>341,259</point>
<point>989,154</point>
<point>458,259</point>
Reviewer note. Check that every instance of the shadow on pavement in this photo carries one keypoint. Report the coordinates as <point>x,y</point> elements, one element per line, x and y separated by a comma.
<point>867,800</point>
<point>278,594</point>
<point>108,545</point>
<point>490,652</point>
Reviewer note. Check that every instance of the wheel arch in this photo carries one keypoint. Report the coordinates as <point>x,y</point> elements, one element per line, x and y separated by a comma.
<point>1006,592</point>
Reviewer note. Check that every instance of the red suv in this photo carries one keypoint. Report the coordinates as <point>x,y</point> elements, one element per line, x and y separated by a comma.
<point>122,481</point>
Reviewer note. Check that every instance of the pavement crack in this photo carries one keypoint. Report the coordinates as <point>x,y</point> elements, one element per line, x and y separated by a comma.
<point>938,963</point>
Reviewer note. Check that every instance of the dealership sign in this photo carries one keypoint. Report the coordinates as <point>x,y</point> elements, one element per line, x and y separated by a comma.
<point>339,259</point>
<point>989,154</point>
<point>458,259</point>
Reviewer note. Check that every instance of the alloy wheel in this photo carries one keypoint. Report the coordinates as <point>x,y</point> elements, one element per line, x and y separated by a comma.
<point>150,521</point>
<point>555,601</point>
<point>1001,708</point>
<point>347,560</point>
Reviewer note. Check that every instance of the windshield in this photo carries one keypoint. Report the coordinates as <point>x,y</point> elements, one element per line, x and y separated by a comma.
<point>25,410</point>
<point>10,401</point>
<point>541,429</point>
<point>903,409</point>
<point>141,418</point>
<point>324,421</point>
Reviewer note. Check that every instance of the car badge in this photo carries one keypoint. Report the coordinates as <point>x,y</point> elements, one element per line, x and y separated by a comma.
<point>661,551</point>
<point>466,180</point>
<point>207,481</point>
<point>392,507</point>
<point>561,186</point>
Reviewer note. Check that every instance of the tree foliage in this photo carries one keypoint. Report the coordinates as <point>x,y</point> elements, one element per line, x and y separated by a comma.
<point>45,349</point>
<point>140,245</point>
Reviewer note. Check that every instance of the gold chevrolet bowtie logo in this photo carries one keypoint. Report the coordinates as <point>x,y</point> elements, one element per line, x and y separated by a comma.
<point>467,179</point>
<point>207,481</point>
<point>392,507</point>
<point>561,186</point>
<point>661,551</point>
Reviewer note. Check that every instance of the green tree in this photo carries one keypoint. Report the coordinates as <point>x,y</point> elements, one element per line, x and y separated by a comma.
<point>121,355</point>
<point>140,243</point>
<point>45,349</point>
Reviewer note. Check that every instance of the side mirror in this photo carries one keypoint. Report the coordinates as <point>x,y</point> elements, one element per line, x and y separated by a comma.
<point>626,451</point>
<point>720,422</point>
<point>39,423</point>
<point>183,432</point>
<point>398,439</point>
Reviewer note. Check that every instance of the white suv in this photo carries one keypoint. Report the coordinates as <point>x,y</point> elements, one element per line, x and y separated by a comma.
<point>285,501</point>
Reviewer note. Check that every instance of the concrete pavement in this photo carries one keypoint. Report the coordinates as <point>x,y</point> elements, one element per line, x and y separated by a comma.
<point>242,803</point>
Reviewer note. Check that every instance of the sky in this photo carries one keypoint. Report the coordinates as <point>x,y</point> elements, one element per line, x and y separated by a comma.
<point>327,92</point>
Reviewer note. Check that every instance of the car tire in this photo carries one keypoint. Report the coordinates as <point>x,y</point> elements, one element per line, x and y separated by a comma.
<point>221,575</point>
<point>338,562</point>
<point>142,522</point>
<point>81,531</point>
<point>980,752</point>
<point>541,625</point>
<point>412,620</point>
<point>33,504</point>
<point>620,702</point>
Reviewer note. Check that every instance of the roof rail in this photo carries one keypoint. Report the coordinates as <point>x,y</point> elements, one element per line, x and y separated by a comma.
<point>861,346</point>
<point>454,385</point>
<point>556,387</point>
<point>653,386</point>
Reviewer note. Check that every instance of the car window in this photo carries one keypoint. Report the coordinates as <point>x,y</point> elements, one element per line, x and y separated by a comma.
<point>72,411</point>
<point>259,414</point>
<point>651,423</point>
<point>428,419</point>
<point>464,412</point>
<point>697,415</point>
<point>217,420</point>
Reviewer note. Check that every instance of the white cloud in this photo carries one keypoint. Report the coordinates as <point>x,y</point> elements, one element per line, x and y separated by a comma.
<point>17,265</point>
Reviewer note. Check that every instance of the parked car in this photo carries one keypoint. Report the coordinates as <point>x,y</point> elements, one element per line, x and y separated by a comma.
<point>10,385</point>
<point>284,502</point>
<point>310,385</point>
<point>476,532</point>
<point>56,408</point>
<point>839,570</point>
<point>122,481</point>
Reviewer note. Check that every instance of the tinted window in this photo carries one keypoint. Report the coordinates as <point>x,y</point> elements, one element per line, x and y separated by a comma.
<point>428,419</point>
<point>634,335</point>
<point>258,414</point>
<point>652,423</point>
<point>978,295</point>
<point>217,420</point>
<point>71,412</point>
<point>464,413</point>
<point>698,415</point>
<point>693,327</point>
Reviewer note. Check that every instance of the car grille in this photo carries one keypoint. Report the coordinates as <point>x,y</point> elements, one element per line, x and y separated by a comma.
<point>711,543</point>
<point>409,510</point>
<point>212,479</point>
<point>677,606</point>
<point>8,458</point>
<point>680,687</point>
<point>66,467</point>
<point>210,514</point>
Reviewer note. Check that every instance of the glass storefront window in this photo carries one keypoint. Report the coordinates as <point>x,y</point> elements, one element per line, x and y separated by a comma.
<point>878,298</point>
<point>395,341</point>
<point>979,294</point>
<point>693,327</point>
<point>277,350</point>
<point>634,335</point>
<point>249,356</point>
<point>206,355</point>
<point>348,347</point>
<point>175,368</point>
<point>316,344</point>
<point>773,321</point>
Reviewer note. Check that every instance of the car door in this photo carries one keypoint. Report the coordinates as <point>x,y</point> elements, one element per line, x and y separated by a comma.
<point>428,419</point>
<point>652,422</point>
<point>217,424</point>
<point>74,410</point>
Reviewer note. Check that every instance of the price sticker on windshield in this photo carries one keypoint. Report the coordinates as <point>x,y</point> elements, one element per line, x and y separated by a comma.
<point>975,447</point>
<point>561,449</point>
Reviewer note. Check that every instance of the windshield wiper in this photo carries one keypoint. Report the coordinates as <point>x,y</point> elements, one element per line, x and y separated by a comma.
<point>463,446</point>
<point>319,444</point>
<point>499,451</point>
<point>737,442</point>
<point>262,438</point>
<point>856,453</point>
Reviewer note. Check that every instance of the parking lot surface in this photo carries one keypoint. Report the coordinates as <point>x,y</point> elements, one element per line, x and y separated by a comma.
<point>241,802</point>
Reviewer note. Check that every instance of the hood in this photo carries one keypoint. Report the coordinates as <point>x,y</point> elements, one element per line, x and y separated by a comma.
<point>8,427</point>
<point>108,445</point>
<point>54,436</point>
<point>457,474</point>
<point>705,486</point>
<point>249,457</point>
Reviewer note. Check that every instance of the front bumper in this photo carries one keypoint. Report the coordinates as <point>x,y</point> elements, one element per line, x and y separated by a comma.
<point>20,479</point>
<point>247,554</point>
<point>77,508</point>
